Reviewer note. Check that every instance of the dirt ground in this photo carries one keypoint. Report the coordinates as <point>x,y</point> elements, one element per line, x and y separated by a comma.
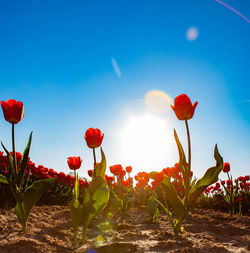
<point>49,230</point>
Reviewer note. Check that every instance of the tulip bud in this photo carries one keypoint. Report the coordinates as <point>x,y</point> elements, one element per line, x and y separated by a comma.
<point>226,167</point>
<point>93,137</point>
<point>12,110</point>
<point>74,162</point>
<point>183,107</point>
<point>128,169</point>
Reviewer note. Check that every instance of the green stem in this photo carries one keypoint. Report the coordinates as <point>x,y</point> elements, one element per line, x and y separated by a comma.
<point>84,234</point>
<point>13,148</point>
<point>189,146</point>
<point>187,185</point>
<point>75,236</point>
<point>94,157</point>
<point>22,220</point>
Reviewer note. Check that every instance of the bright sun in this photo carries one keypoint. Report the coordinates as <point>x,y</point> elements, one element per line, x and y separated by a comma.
<point>146,142</point>
<point>145,139</point>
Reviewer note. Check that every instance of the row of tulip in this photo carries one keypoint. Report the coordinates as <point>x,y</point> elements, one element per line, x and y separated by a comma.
<point>233,194</point>
<point>61,192</point>
<point>173,189</point>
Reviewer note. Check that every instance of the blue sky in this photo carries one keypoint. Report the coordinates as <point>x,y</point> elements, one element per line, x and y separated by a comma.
<point>57,57</point>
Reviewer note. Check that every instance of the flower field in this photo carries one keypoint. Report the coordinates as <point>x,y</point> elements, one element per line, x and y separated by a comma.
<point>169,210</point>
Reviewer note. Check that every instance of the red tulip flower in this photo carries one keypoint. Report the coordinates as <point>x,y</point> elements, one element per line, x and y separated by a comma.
<point>128,169</point>
<point>74,162</point>
<point>183,107</point>
<point>226,167</point>
<point>159,177</point>
<point>12,111</point>
<point>90,173</point>
<point>93,137</point>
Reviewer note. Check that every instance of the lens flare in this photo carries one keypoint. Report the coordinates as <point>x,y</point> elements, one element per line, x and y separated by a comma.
<point>158,101</point>
<point>232,9</point>
<point>192,33</point>
<point>109,215</point>
<point>91,251</point>
<point>99,240</point>
<point>116,67</point>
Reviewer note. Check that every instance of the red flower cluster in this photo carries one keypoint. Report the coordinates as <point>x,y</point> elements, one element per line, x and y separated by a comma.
<point>172,171</point>
<point>128,182</point>
<point>39,172</point>
<point>242,182</point>
<point>110,180</point>
<point>118,171</point>
<point>176,175</point>
<point>142,179</point>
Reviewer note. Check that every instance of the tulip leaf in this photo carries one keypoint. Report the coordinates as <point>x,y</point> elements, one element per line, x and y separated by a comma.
<point>30,197</point>
<point>152,174</point>
<point>100,168</point>
<point>4,179</point>
<point>183,164</point>
<point>174,200</point>
<point>24,161</point>
<point>210,177</point>
<point>182,158</point>
<point>96,199</point>
<point>11,161</point>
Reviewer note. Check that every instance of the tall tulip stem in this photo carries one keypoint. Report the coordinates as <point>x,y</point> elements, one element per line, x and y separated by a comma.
<point>13,147</point>
<point>187,185</point>
<point>189,146</point>
<point>94,157</point>
<point>75,174</point>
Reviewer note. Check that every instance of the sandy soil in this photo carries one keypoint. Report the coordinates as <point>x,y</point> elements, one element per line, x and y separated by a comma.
<point>49,230</point>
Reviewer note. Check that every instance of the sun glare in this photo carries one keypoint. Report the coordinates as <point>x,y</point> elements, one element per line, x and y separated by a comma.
<point>146,142</point>
<point>158,101</point>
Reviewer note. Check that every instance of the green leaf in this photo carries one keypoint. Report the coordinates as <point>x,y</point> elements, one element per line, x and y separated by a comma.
<point>166,210</point>
<point>11,161</point>
<point>24,161</point>
<point>4,179</point>
<point>174,200</point>
<point>210,177</point>
<point>96,199</point>
<point>183,165</point>
<point>100,168</point>
<point>30,197</point>
<point>152,174</point>
<point>182,158</point>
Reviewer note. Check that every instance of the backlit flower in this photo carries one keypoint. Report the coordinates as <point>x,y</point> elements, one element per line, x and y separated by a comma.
<point>183,107</point>
<point>128,169</point>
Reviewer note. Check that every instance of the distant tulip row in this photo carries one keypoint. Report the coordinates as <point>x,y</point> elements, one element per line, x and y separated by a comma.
<point>231,192</point>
